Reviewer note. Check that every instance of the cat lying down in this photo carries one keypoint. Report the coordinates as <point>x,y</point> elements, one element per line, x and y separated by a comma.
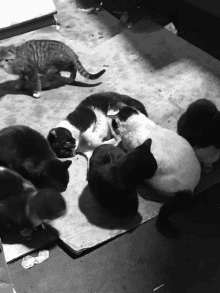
<point>200,125</point>
<point>88,125</point>
<point>178,171</point>
<point>113,176</point>
<point>23,207</point>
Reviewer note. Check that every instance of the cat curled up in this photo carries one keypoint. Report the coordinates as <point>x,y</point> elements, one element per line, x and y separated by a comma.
<point>178,171</point>
<point>88,125</point>
<point>27,152</point>
<point>34,58</point>
<point>200,125</point>
<point>23,207</point>
<point>113,176</point>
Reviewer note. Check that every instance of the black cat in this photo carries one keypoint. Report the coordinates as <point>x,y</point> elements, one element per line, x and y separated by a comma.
<point>114,175</point>
<point>27,152</point>
<point>23,207</point>
<point>200,125</point>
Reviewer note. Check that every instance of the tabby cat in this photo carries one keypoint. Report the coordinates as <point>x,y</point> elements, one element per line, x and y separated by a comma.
<point>200,125</point>
<point>114,175</point>
<point>41,57</point>
<point>178,171</point>
<point>88,125</point>
<point>27,152</point>
<point>23,207</point>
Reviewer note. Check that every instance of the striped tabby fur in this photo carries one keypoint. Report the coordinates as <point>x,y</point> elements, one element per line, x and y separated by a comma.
<point>41,57</point>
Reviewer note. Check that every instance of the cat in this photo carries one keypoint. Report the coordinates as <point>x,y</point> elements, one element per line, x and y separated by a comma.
<point>200,126</point>
<point>88,125</point>
<point>114,175</point>
<point>41,57</point>
<point>178,171</point>
<point>27,152</point>
<point>23,207</point>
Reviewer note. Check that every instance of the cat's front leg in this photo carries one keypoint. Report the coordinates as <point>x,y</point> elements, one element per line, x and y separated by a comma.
<point>37,85</point>
<point>22,82</point>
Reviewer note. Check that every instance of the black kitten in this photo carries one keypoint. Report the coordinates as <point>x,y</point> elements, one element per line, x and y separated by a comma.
<point>113,176</point>
<point>200,125</point>
<point>27,152</point>
<point>88,126</point>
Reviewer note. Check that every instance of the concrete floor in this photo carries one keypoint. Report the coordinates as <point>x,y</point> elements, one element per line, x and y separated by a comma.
<point>142,260</point>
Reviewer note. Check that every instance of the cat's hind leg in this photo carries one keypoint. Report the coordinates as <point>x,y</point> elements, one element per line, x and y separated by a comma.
<point>72,77</point>
<point>182,201</point>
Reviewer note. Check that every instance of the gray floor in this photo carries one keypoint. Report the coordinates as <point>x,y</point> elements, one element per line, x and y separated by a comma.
<point>142,260</point>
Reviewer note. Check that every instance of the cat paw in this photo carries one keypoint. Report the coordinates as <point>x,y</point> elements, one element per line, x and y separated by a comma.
<point>36,95</point>
<point>207,168</point>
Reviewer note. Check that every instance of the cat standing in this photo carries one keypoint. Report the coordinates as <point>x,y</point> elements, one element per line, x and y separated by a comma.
<point>41,57</point>
<point>200,125</point>
<point>25,208</point>
<point>178,171</point>
<point>114,175</point>
<point>88,126</point>
<point>27,152</point>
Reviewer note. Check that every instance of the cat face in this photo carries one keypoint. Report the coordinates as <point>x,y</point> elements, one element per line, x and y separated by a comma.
<point>47,204</point>
<point>7,57</point>
<point>62,142</point>
<point>122,113</point>
<point>56,174</point>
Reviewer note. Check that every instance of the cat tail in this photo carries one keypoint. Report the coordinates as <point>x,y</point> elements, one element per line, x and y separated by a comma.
<point>85,73</point>
<point>182,200</point>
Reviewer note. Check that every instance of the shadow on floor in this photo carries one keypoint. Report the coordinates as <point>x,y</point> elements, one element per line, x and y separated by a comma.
<point>101,217</point>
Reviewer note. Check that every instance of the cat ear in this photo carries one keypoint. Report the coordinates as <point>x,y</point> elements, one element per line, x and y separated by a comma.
<point>53,133</point>
<point>148,143</point>
<point>121,105</point>
<point>67,163</point>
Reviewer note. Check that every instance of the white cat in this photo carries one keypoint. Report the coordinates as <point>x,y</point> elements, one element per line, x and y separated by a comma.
<point>178,170</point>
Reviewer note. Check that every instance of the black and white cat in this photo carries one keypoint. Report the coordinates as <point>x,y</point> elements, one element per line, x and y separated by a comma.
<point>23,207</point>
<point>200,125</point>
<point>178,171</point>
<point>114,175</point>
<point>88,125</point>
<point>27,152</point>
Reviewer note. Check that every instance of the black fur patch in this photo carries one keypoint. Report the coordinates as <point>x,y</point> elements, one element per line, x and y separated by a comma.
<point>197,124</point>
<point>62,142</point>
<point>113,176</point>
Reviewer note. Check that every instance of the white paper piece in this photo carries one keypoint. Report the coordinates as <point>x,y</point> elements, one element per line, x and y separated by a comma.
<point>171,27</point>
<point>29,261</point>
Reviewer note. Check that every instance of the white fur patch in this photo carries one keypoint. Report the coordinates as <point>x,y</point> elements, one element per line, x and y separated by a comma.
<point>178,166</point>
<point>96,133</point>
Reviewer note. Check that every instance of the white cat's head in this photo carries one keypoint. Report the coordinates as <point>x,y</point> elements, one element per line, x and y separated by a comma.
<point>126,118</point>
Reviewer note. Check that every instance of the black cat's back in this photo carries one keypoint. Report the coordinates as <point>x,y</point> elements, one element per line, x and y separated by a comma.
<point>27,152</point>
<point>195,125</point>
<point>83,115</point>
<point>25,142</point>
